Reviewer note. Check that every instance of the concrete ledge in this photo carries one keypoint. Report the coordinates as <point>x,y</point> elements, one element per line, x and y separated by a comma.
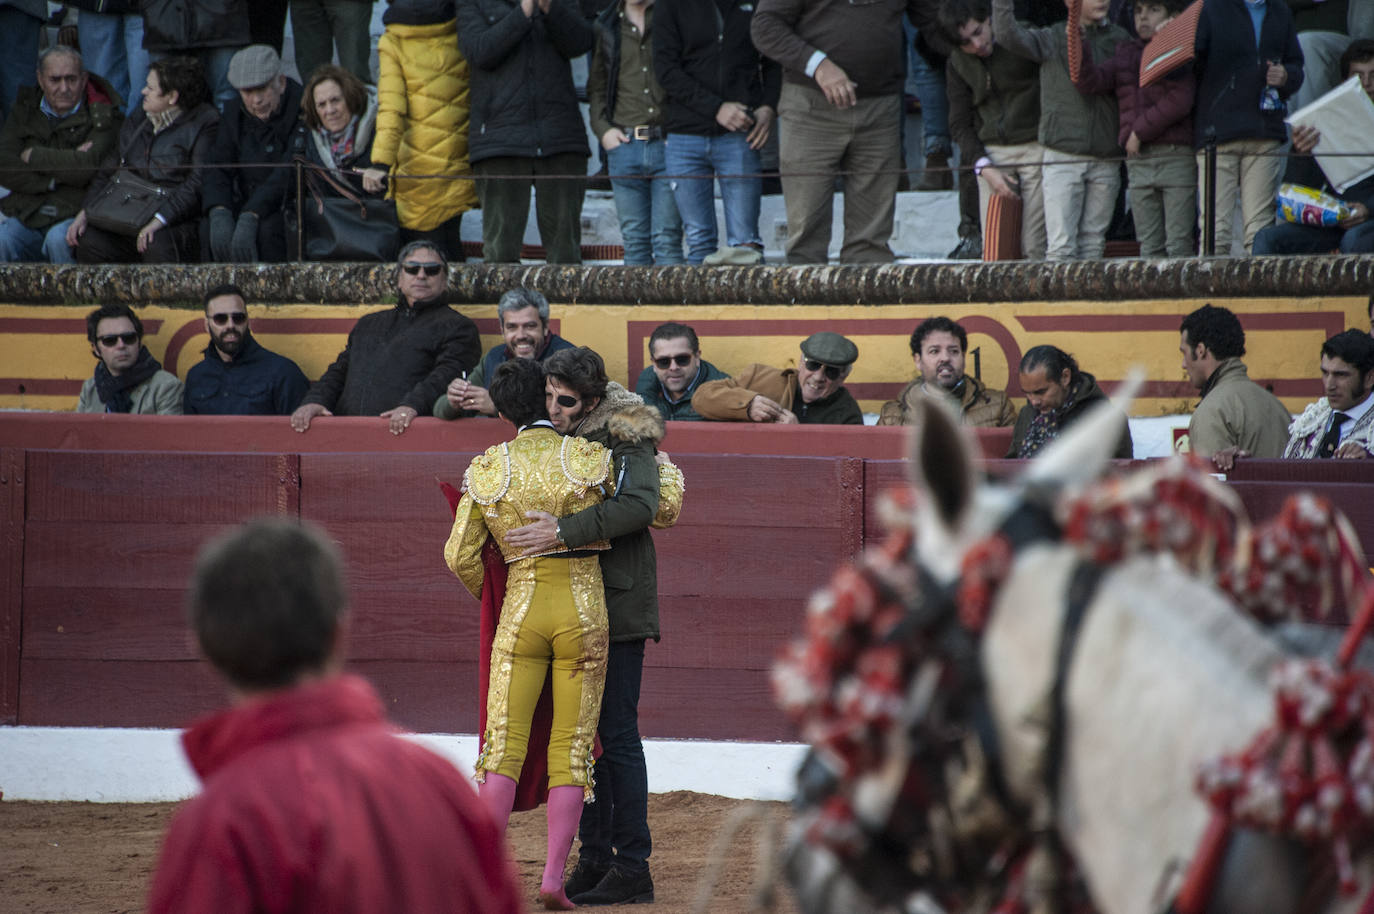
<point>841,285</point>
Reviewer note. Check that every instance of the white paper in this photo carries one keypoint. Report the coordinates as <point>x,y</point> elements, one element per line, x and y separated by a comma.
<point>1345,118</point>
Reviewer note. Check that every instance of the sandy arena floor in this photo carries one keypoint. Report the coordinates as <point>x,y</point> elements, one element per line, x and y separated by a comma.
<point>96,858</point>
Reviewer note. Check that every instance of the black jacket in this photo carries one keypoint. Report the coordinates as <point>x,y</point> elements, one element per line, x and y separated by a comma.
<point>1089,395</point>
<point>243,139</point>
<point>703,59</point>
<point>257,382</point>
<point>164,159</point>
<point>399,357</point>
<point>1230,71</point>
<point>179,25</point>
<point>522,95</point>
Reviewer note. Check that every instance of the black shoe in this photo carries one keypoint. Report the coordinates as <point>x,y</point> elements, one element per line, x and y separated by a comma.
<point>585,876</point>
<point>968,249</point>
<point>620,886</point>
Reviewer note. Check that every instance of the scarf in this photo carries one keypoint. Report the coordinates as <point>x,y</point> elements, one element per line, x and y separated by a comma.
<point>114,389</point>
<point>340,144</point>
<point>163,119</point>
<point>1044,428</point>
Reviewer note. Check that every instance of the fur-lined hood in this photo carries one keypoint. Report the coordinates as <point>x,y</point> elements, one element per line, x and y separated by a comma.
<point>624,415</point>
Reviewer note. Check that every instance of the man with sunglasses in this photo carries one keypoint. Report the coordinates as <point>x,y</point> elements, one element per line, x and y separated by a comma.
<point>127,378</point>
<point>238,376</point>
<point>675,370</point>
<point>813,393</point>
<point>398,361</point>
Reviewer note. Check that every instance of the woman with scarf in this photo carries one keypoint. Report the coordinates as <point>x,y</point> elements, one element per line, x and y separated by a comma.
<point>166,141</point>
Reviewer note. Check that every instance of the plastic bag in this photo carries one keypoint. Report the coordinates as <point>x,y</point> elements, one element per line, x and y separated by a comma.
<point>1309,206</point>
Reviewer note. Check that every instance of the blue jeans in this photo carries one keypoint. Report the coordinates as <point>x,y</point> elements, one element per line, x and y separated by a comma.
<point>112,47</point>
<point>929,86</point>
<point>619,819</point>
<point>19,243</point>
<point>1291,238</point>
<point>18,55</point>
<point>728,154</point>
<point>649,221</point>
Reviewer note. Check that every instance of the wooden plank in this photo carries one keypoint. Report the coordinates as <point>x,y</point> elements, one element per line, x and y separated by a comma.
<point>117,693</point>
<point>676,703</point>
<point>372,487</point>
<point>718,634</point>
<point>12,501</point>
<point>106,623</point>
<point>136,555</point>
<point>734,560</point>
<point>108,486</point>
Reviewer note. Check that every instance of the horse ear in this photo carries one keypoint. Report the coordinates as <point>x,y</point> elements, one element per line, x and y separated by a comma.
<point>940,461</point>
<point>1081,453</point>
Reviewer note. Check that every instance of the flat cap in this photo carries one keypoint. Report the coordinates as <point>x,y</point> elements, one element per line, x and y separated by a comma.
<point>256,65</point>
<point>830,348</point>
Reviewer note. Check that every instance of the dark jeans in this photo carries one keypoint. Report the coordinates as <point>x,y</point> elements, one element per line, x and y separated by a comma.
<point>448,235</point>
<point>178,243</point>
<point>619,819</point>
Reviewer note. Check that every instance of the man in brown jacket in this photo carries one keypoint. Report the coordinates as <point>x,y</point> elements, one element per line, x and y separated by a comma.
<point>813,393</point>
<point>938,345</point>
<point>1237,417</point>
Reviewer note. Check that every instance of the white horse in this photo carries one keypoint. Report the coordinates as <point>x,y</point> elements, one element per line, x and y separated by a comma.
<point>1165,674</point>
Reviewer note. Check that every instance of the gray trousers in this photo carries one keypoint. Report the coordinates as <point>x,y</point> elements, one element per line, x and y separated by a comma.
<point>1162,182</point>
<point>318,25</point>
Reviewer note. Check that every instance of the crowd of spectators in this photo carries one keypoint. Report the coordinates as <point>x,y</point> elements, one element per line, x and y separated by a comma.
<point>474,103</point>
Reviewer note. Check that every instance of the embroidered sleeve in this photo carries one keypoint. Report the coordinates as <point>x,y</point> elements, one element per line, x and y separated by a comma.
<point>671,487</point>
<point>463,551</point>
<point>585,463</point>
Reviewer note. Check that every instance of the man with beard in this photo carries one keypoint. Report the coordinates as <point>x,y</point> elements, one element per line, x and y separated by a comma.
<point>813,393</point>
<point>399,360</point>
<point>238,377</point>
<point>613,862</point>
<point>938,346</point>
<point>675,370</point>
<point>524,317</point>
<point>127,379</point>
<point>1340,424</point>
<point>1057,395</point>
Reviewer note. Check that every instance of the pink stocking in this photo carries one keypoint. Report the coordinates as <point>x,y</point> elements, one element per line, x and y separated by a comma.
<point>564,812</point>
<point>498,796</point>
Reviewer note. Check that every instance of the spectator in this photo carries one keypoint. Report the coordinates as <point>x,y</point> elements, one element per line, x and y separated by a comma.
<point>1237,417</point>
<point>238,377</point>
<point>813,393</point>
<point>1321,27</point>
<point>339,122</point>
<point>626,105</point>
<point>553,614</point>
<point>211,31</point>
<point>167,141</point>
<point>110,33</point>
<point>994,115</point>
<point>1340,424</point>
<point>244,204</point>
<point>1080,176</point>
<point>675,370</point>
<point>526,127</point>
<point>127,378</point>
<point>1248,63</point>
<point>722,98</point>
<point>927,53</point>
<point>524,317</point>
<point>1355,233</point>
<point>311,801</point>
<point>1057,395</point>
<point>320,26</point>
<point>1156,128</point>
<point>836,57</point>
<point>267,23</point>
<point>938,346</point>
<point>55,139</point>
<point>20,22</point>
<point>422,123</point>
<point>398,361</point>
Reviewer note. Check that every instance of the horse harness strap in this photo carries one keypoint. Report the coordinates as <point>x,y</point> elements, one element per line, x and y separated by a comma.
<point>1082,588</point>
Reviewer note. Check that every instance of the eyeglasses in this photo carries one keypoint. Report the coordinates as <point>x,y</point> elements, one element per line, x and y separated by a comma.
<point>110,339</point>
<point>238,317</point>
<point>681,360</point>
<point>413,268</point>
<point>832,372</point>
<point>566,401</point>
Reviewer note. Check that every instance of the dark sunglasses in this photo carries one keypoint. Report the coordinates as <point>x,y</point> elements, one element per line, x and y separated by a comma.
<point>681,360</point>
<point>566,401</point>
<point>831,371</point>
<point>238,317</point>
<point>413,268</point>
<point>110,339</point>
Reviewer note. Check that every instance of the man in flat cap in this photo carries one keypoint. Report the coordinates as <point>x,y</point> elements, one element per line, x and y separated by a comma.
<point>244,205</point>
<point>812,393</point>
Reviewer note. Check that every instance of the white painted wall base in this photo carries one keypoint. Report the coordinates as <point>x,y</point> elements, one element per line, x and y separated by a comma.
<point>118,765</point>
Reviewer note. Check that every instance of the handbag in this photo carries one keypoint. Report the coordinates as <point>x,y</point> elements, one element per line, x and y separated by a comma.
<point>349,226</point>
<point>126,204</point>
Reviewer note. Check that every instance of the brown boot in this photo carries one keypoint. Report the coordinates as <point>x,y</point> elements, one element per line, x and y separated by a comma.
<point>937,175</point>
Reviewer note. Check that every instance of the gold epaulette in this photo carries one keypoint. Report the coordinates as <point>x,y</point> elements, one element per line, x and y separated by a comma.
<point>584,462</point>
<point>488,476</point>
